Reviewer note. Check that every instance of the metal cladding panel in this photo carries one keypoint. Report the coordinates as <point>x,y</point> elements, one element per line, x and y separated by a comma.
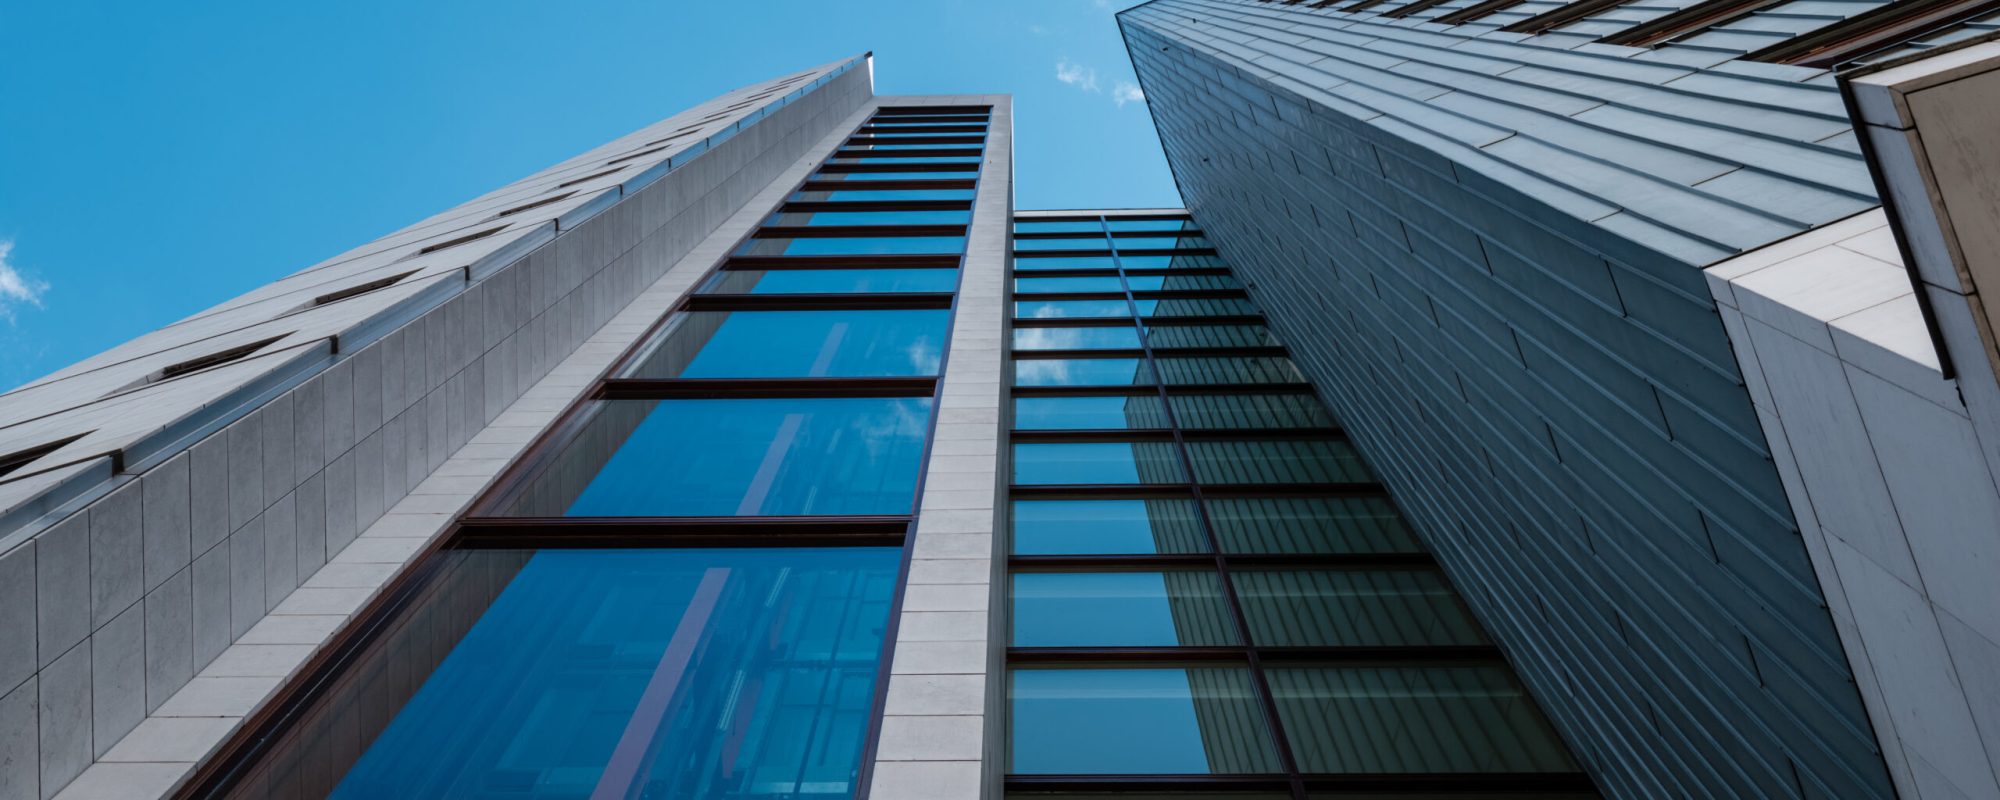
<point>1523,346</point>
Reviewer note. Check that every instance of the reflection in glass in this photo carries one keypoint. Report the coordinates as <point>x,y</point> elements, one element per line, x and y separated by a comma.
<point>1067,309</point>
<point>1308,461</point>
<point>1094,243</point>
<point>701,674</point>
<point>1081,372</point>
<point>1199,411</point>
<point>1150,224</point>
<point>854,246</point>
<point>1171,262</point>
<point>959,217</point>
<point>798,344</point>
<point>1120,609</point>
<point>1413,719</point>
<point>860,195</point>
<point>1206,370</point>
<point>746,457</point>
<point>1089,413</point>
<point>1353,608</point>
<point>1163,243</point>
<point>1107,527</point>
<point>1025,264</point>
<point>1333,525</point>
<point>1097,463</point>
<point>1196,307</point>
<point>1057,226</point>
<point>942,173</point>
<point>1181,283</point>
<point>1098,283</point>
<point>1166,336</point>
<point>1174,721</point>
<point>831,281</point>
<point>1120,337</point>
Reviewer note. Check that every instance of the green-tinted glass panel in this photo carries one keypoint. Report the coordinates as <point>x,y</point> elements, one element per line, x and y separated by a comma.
<point>1413,719</point>
<point>1158,721</point>
<point>1332,525</point>
<point>1254,461</point>
<point>1121,337</point>
<point>1130,463</point>
<point>1207,411</point>
<point>1174,608</point>
<point>831,281</point>
<point>1107,527</point>
<point>1210,370</point>
<point>1353,608</point>
<point>1081,372</point>
<point>1090,413</point>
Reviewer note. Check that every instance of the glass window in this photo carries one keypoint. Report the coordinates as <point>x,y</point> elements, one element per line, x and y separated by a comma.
<point>1094,283</point>
<point>1057,226</point>
<point>1107,527</point>
<point>978,131</point>
<point>1097,463</point>
<point>863,144</point>
<point>1172,262</point>
<point>832,281</point>
<point>862,195</point>
<point>1199,411</point>
<point>853,246</point>
<point>1095,243</point>
<point>1081,372</point>
<point>1182,608</point>
<point>691,673</point>
<point>1210,370</point>
<point>743,457</point>
<point>1164,336</point>
<point>1181,283</point>
<point>957,217</point>
<point>1332,525</point>
<point>941,174</point>
<point>1309,461</point>
<point>1025,264</point>
<point>1163,243</point>
<point>1196,307</point>
<point>1157,721</point>
<point>798,344</point>
<point>1089,413</point>
<point>1413,719</point>
<point>1067,309</point>
<point>1352,608</point>
<point>1150,224</point>
<point>930,119</point>
<point>1120,337</point>
<point>907,160</point>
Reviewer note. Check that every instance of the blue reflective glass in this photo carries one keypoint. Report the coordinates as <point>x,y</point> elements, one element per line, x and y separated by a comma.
<point>856,145</point>
<point>1150,224</point>
<point>897,176</point>
<point>1089,413</point>
<point>1092,338</point>
<point>959,217</point>
<point>1057,226</point>
<point>1042,463</point>
<point>832,281</point>
<point>857,195</point>
<point>761,457</point>
<point>1154,283</point>
<point>1180,608</point>
<point>799,344</point>
<point>1062,309</point>
<point>1196,307</point>
<point>1107,527</point>
<point>1026,264</point>
<point>1094,283</point>
<point>1098,243</point>
<point>1137,722</point>
<point>955,129</point>
<point>854,246</point>
<point>1080,372</point>
<point>699,674</point>
<point>1171,262</point>
<point>910,160</point>
<point>1162,243</point>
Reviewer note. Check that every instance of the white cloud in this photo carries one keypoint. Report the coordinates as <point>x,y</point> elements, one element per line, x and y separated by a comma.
<point>1077,75</point>
<point>1126,92</point>
<point>16,289</point>
<point>1038,30</point>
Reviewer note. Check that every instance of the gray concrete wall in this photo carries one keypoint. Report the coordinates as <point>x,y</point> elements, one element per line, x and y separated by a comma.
<point>122,603</point>
<point>1556,407</point>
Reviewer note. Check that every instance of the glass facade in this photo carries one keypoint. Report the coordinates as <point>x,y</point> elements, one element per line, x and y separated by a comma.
<point>1209,592</point>
<point>684,589</point>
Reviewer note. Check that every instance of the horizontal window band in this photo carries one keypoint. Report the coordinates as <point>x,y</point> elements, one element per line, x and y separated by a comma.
<point>489,533</point>
<point>1116,234</point>
<point>1189,434</point>
<point>855,231</point>
<point>805,302</point>
<point>1370,655</point>
<point>842,262</point>
<point>1148,491</point>
<point>1101,252</point>
<point>1475,784</point>
<point>1183,294</point>
<point>1032,296</point>
<point>1355,561</point>
<point>1123,389</point>
<point>865,141</point>
<point>940,152</point>
<point>849,169</point>
<point>725,388</point>
<point>816,207</point>
<point>942,128</point>
<point>887,186</point>
<point>898,111</point>
<point>1108,272</point>
<point>1158,352</point>
<point>1113,322</point>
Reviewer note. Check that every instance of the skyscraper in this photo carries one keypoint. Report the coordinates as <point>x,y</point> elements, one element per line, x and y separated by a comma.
<point>770,452</point>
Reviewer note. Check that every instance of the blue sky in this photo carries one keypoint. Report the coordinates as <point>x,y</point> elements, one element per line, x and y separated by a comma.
<point>156,159</point>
